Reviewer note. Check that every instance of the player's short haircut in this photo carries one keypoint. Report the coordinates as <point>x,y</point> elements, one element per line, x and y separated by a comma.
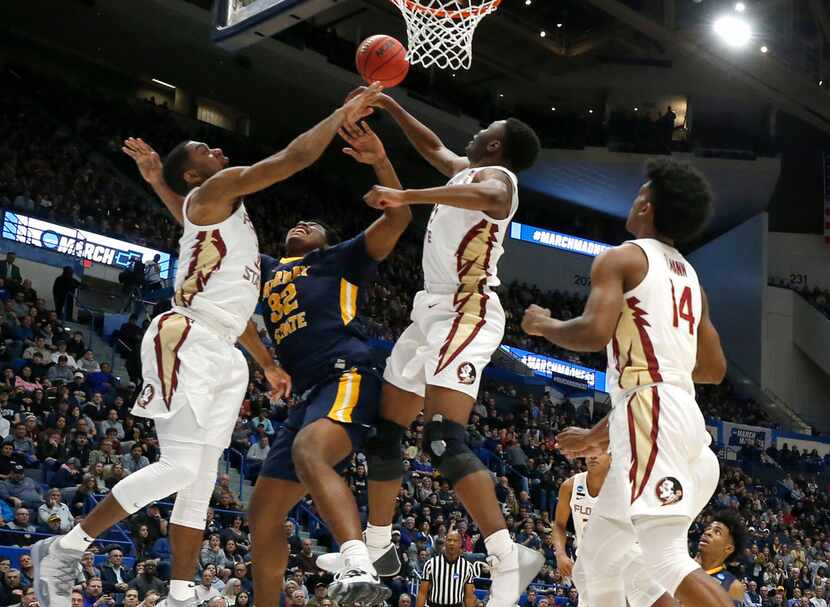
<point>521,145</point>
<point>732,521</point>
<point>175,165</point>
<point>681,196</point>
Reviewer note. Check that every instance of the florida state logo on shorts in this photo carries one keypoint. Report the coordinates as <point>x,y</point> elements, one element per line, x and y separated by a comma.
<point>146,396</point>
<point>669,491</point>
<point>466,373</point>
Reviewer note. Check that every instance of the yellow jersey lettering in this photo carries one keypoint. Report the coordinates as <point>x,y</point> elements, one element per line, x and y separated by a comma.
<point>291,324</point>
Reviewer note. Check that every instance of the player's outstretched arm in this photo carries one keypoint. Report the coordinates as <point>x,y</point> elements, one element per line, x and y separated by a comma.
<point>491,192</point>
<point>592,330</point>
<point>576,442</point>
<point>560,525</point>
<point>232,183</point>
<point>710,367</point>
<point>366,147</point>
<point>428,144</point>
<point>149,165</point>
<point>280,380</point>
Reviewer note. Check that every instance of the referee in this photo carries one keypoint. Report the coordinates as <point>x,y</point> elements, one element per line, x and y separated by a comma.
<point>448,578</point>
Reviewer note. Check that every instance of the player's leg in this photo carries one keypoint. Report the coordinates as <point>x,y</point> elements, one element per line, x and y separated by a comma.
<point>271,501</point>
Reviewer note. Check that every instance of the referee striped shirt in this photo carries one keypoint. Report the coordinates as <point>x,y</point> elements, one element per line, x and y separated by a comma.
<point>447,580</point>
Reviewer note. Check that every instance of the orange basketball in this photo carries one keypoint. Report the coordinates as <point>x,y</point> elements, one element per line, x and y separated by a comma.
<point>382,59</point>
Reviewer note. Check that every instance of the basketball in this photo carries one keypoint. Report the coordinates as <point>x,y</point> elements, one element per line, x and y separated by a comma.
<point>382,59</point>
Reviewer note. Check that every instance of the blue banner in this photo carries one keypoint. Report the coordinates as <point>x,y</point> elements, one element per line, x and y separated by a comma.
<point>569,374</point>
<point>557,240</point>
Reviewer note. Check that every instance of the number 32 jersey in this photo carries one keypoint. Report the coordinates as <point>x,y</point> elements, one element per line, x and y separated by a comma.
<point>310,304</point>
<point>655,341</point>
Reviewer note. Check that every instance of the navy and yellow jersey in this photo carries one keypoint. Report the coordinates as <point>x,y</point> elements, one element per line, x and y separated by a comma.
<point>725,579</point>
<point>310,305</point>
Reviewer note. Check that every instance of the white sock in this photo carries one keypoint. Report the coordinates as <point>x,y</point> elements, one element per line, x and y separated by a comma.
<point>76,539</point>
<point>182,590</point>
<point>499,543</point>
<point>378,536</point>
<point>355,553</point>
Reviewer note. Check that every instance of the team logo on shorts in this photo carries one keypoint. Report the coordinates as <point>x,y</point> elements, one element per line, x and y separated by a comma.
<point>669,491</point>
<point>466,373</point>
<point>146,396</point>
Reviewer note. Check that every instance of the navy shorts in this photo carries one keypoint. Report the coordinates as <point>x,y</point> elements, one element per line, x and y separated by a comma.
<point>351,399</point>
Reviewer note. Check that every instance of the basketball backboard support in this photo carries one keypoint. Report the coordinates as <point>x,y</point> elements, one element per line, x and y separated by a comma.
<point>241,23</point>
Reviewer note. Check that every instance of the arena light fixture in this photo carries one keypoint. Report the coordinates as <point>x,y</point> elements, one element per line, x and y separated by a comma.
<point>542,34</point>
<point>553,108</point>
<point>163,83</point>
<point>740,7</point>
<point>528,2</point>
<point>734,31</point>
<point>764,49</point>
<point>560,25</point>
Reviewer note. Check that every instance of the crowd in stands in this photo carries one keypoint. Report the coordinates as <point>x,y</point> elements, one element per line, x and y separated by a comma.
<point>818,297</point>
<point>68,437</point>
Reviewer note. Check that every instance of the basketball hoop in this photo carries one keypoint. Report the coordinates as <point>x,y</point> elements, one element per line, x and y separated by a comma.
<point>440,32</point>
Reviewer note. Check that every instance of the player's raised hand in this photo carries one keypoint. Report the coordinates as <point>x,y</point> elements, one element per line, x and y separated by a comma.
<point>365,146</point>
<point>381,100</point>
<point>382,198</point>
<point>577,442</point>
<point>146,158</point>
<point>280,382</point>
<point>535,319</point>
<point>360,106</point>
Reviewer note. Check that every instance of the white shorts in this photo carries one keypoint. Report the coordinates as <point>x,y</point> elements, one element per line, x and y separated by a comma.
<point>661,462</point>
<point>450,341</point>
<point>194,381</point>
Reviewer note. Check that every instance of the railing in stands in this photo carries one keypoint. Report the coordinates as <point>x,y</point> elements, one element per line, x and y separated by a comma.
<point>4,532</point>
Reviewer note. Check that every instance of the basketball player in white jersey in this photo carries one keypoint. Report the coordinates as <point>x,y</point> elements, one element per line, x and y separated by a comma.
<point>646,305</point>
<point>194,377</point>
<point>457,324</point>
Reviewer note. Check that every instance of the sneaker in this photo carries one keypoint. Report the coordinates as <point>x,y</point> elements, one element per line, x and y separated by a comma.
<point>385,561</point>
<point>55,571</point>
<point>512,575</point>
<point>356,585</point>
<point>169,601</point>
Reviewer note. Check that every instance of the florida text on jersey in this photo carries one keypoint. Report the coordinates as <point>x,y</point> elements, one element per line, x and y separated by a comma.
<point>310,305</point>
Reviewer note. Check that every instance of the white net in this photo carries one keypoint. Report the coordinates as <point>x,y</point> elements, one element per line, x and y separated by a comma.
<point>440,32</point>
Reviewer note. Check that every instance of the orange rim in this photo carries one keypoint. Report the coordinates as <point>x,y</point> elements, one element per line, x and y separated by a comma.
<point>414,6</point>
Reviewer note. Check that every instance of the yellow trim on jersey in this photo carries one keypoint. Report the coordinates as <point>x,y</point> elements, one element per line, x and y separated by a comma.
<point>348,301</point>
<point>348,392</point>
<point>715,570</point>
<point>289,259</point>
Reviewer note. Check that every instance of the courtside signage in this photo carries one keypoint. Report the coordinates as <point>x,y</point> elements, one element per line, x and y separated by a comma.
<point>77,243</point>
<point>547,366</point>
<point>556,240</point>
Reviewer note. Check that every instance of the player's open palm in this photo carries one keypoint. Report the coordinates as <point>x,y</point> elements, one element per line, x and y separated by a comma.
<point>280,382</point>
<point>360,106</point>
<point>565,565</point>
<point>146,158</point>
<point>364,145</point>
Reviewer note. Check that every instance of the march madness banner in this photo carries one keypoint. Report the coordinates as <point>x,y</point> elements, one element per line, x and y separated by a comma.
<point>738,435</point>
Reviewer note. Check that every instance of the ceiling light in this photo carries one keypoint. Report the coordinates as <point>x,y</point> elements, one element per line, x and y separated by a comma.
<point>528,2</point>
<point>764,49</point>
<point>740,7</point>
<point>553,108</point>
<point>543,33</point>
<point>590,111</point>
<point>163,83</point>
<point>560,25</point>
<point>501,94</point>
<point>636,109</point>
<point>734,31</point>
<point>820,82</point>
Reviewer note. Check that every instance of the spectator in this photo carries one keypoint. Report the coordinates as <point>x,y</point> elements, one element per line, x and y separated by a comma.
<point>39,347</point>
<point>114,576</point>
<point>22,444</point>
<point>105,455</point>
<point>89,571</point>
<point>22,527</point>
<point>11,591</point>
<point>54,506</point>
<point>205,590</point>
<point>69,474</point>
<point>212,554</point>
<point>61,351</point>
<point>112,421</point>
<point>104,377</point>
<point>63,290</point>
<point>27,570</point>
<point>136,460</point>
<point>294,543</point>
<point>319,595</point>
<point>232,589</point>
<point>152,275</point>
<point>256,456</point>
<point>94,595</point>
<point>10,271</point>
<point>148,581</point>
<point>87,362</point>
<point>19,490</point>
<point>62,371</point>
<point>131,598</point>
<point>243,599</point>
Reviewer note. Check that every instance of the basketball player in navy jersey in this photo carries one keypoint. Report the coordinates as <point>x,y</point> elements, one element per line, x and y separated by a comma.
<point>723,538</point>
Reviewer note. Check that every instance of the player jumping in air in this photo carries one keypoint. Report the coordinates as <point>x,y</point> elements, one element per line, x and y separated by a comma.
<point>457,324</point>
<point>646,305</point>
<point>194,377</point>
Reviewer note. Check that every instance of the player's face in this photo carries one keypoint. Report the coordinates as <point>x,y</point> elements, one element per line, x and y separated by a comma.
<point>486,141</point>
<point>639,209</point>
<point>716,542</point>
<point>305,237</point>
<point>207,161</point>
<point>598,463</point>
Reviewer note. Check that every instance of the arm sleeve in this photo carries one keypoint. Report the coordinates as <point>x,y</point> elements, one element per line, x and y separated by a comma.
<point>427,571</point>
